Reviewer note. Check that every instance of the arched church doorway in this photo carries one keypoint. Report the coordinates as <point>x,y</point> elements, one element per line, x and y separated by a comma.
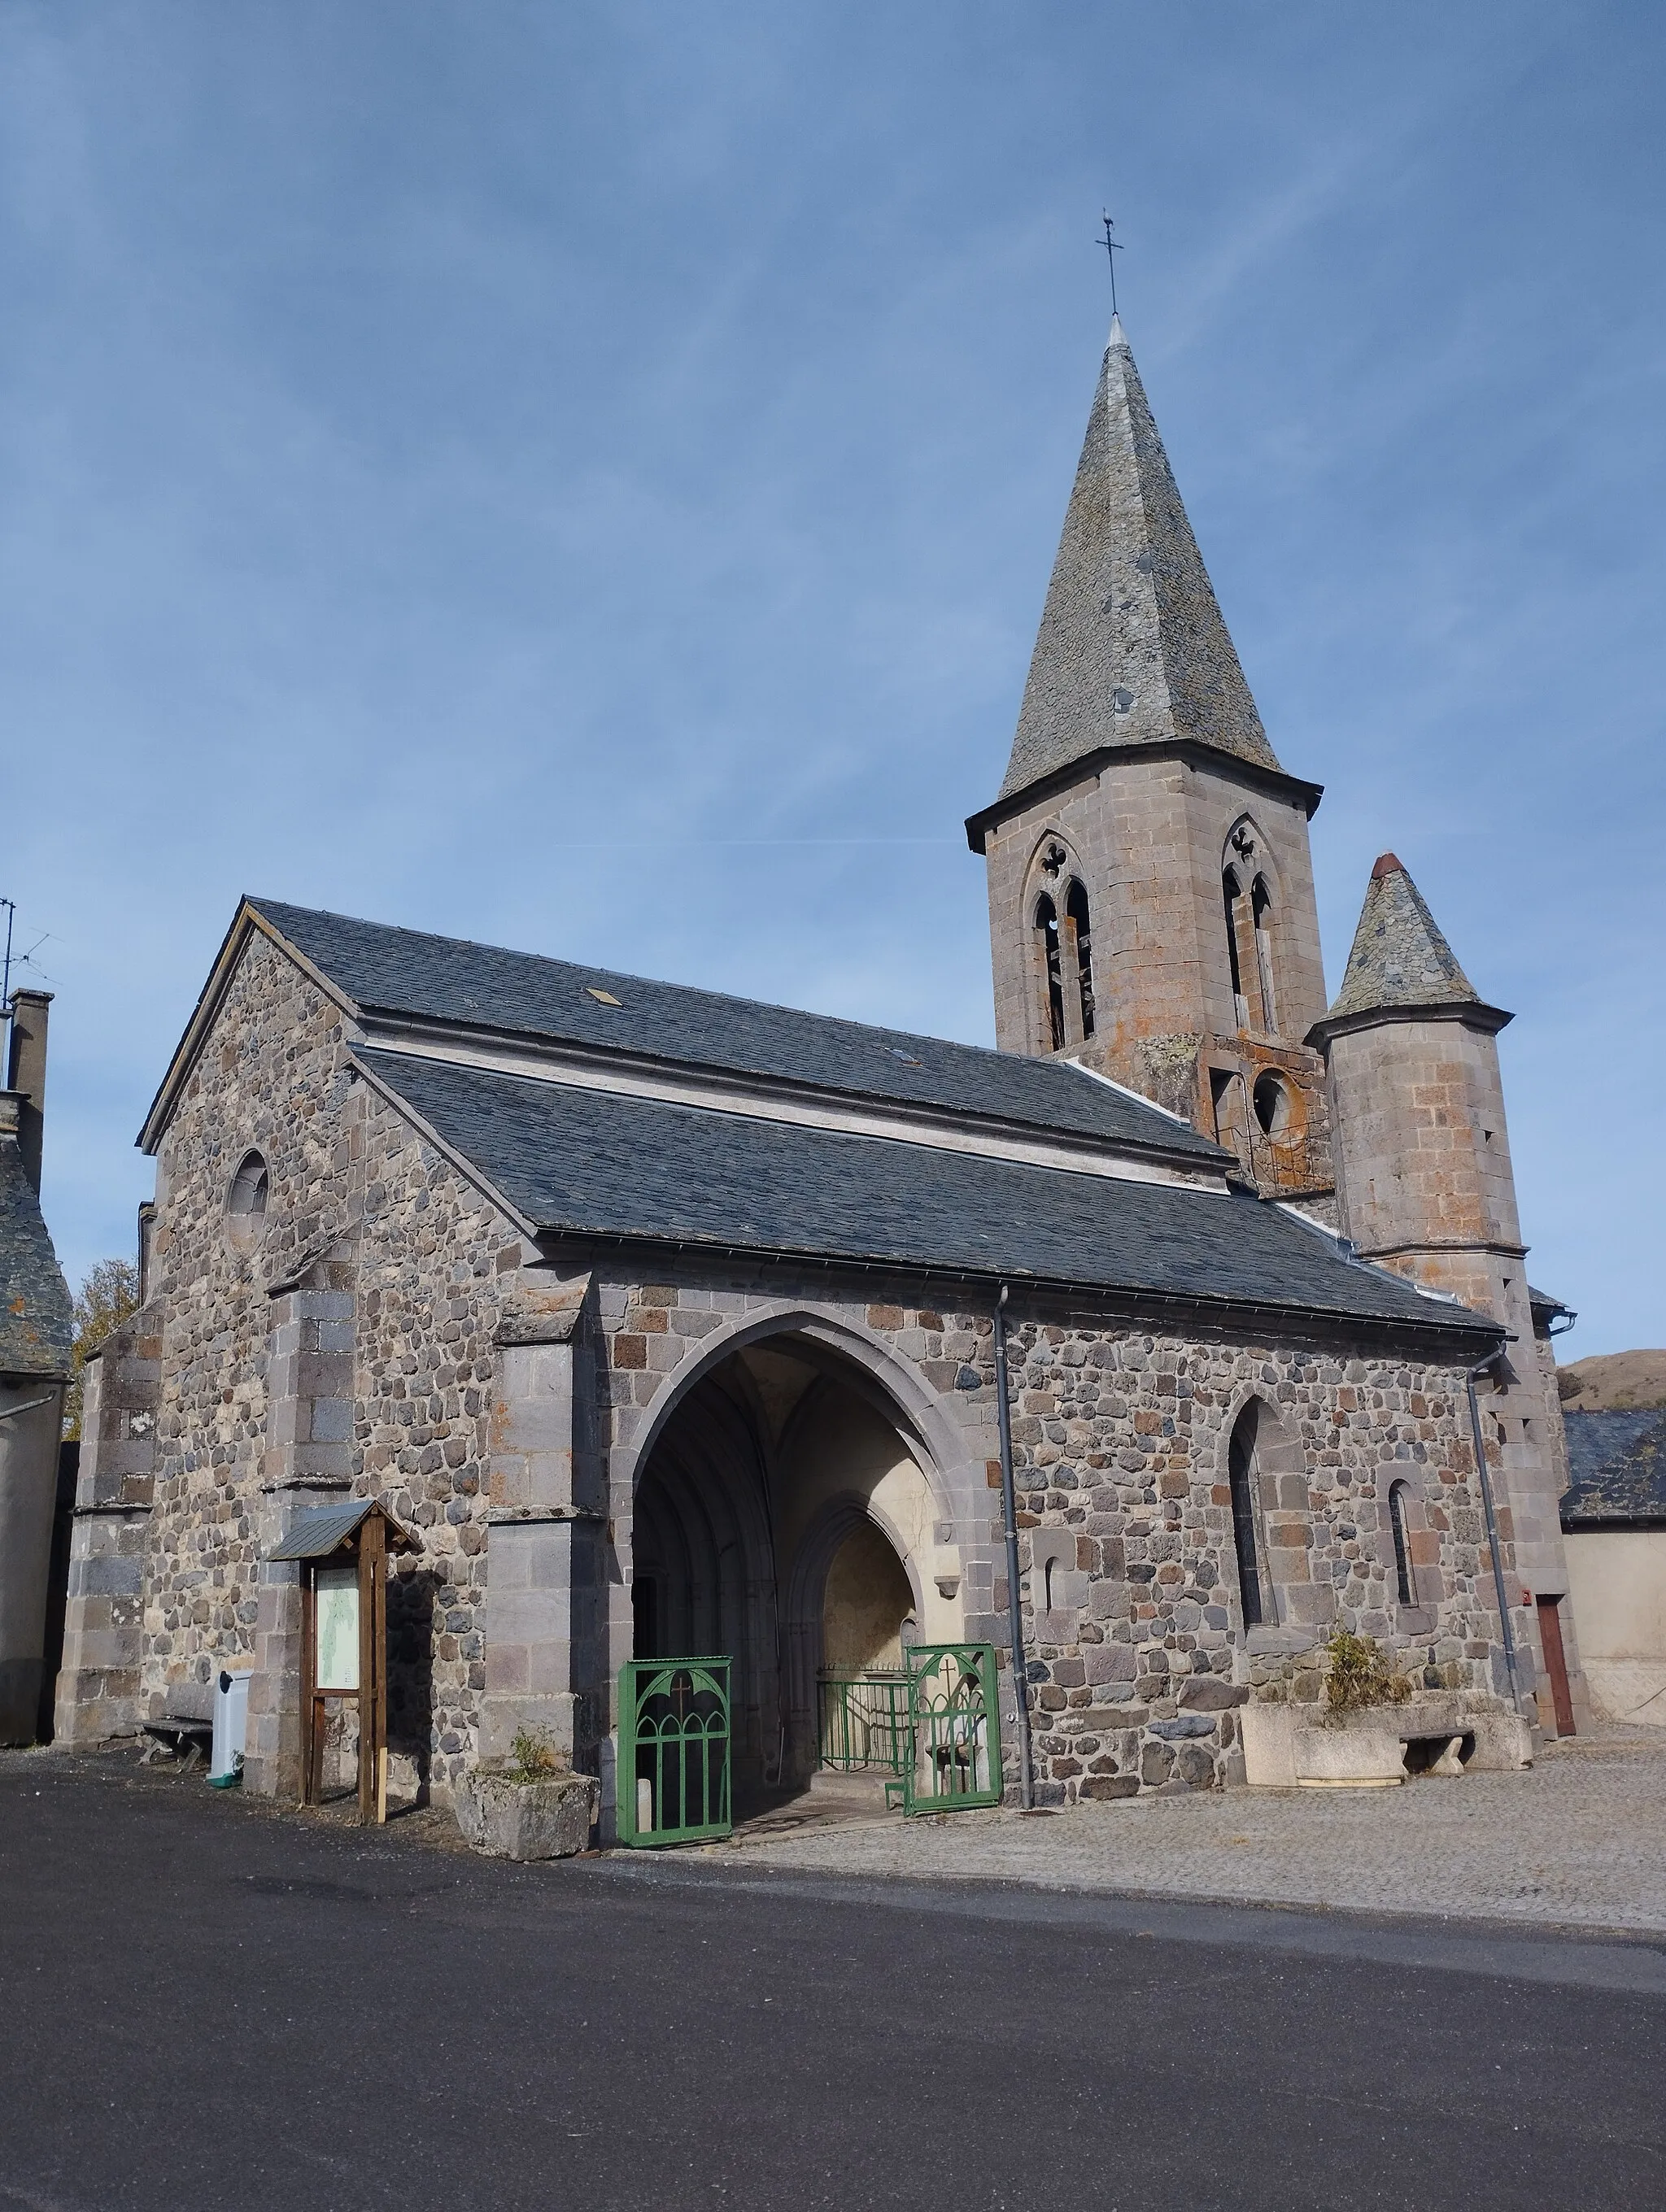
<point>784,1518</point>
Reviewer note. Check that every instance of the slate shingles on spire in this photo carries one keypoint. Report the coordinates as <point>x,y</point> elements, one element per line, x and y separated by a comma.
<point>1132,648</point>
<point>1399,957</point>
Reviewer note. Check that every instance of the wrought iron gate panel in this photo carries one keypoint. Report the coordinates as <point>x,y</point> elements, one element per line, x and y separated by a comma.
<point>863,1722</point>
<point>954,1721</point>
<point>674,1769</point>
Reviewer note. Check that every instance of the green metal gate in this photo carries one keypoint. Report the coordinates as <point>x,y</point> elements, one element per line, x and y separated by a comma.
<point>934,1723</point>
<point>954,1721</point>
<point>863,1722</point>
<point>673,1771</point>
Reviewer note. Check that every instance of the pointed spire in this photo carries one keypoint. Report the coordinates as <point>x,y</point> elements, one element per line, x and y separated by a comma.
<point>1400,957</point>
<point>1132,648</point>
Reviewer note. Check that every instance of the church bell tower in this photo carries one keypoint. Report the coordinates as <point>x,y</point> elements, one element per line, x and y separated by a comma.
<point>1151,890</point>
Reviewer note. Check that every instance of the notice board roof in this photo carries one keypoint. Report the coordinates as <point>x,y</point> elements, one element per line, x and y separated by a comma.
<point>325,1529</point>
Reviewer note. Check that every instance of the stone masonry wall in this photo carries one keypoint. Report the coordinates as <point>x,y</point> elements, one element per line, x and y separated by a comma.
<point>1120,1464</point>
<point>1119,1435</point>
<point>1148,838</point>
<point>1151,836</point>
<point>423,1254</point>
<point>1120,1446</point>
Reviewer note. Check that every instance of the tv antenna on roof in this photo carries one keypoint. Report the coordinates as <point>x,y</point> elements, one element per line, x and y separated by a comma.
<point>1113,246</point>
<point>10,905</point>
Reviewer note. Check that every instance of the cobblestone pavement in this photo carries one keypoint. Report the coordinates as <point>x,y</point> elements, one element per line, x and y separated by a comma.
<point>1579,1841</point>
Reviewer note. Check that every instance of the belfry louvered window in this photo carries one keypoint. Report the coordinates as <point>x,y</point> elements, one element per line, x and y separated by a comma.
<point>1075,907</point>
<point>1230,895</point>
<point>1261,911</point>
<point>1047,944</point>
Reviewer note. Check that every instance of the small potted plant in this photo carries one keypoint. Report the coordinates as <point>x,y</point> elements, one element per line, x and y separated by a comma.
<point>531,1805</point>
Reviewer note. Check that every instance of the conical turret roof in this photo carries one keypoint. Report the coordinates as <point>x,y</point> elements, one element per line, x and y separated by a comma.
<point>1399,957</point>
<point>1132,648</point>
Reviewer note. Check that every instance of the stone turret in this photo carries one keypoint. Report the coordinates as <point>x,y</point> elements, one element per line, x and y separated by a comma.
<point>1425,1186</point>
<point>1151,889</point>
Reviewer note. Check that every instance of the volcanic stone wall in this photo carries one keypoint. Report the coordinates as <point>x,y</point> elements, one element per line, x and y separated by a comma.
<point>1120,1445</point>
<point>409,1259</point>
<point>351,1346</point>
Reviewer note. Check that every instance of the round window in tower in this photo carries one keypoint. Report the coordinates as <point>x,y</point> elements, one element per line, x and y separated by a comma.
<point>1273,1109</point>
<point>246,1202</point>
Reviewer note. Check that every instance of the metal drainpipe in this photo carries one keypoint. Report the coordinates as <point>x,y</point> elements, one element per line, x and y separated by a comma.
<point>1492,1531</point>
<point>1014,1603</point>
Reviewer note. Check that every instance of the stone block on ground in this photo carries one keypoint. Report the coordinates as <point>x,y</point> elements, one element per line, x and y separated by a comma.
<point>507,1818</point>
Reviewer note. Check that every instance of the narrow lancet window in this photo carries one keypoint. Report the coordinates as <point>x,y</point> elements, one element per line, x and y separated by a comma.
<point>1046,935</point>
<point>1230,894</point>
<point>1402,1549</point>
<point>1075,907</point>
<point>1260,908</point>
<point>1241,1473</point>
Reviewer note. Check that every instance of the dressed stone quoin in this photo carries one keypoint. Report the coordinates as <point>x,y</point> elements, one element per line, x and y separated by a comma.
<point>665,1323</point>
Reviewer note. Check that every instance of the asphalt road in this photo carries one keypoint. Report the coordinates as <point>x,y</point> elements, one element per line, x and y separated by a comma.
<point>203,2004</point>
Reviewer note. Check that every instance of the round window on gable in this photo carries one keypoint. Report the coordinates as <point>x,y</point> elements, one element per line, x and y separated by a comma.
<point>246,1202</point>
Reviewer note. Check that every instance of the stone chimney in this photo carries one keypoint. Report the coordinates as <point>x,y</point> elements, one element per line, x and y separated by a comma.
<point>26,1073</point>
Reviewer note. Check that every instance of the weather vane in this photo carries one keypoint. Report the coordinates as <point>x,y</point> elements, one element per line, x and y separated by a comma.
<point>1113,246</point>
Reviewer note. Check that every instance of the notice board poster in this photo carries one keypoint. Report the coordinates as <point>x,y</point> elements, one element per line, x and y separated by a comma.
<point>337,1617</point>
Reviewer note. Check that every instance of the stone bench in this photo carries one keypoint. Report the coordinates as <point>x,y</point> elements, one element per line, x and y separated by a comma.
<point>181,1735</point>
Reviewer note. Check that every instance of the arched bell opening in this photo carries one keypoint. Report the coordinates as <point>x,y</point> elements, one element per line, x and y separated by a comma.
<point>784,1518</point>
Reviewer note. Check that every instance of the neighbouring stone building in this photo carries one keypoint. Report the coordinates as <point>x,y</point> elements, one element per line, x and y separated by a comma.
<point>1614,1529</point>
<point>36,1327</point>
<point>667,1321</point>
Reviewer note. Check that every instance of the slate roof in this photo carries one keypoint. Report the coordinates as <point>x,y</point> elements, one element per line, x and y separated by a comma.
<point>1132,648</point>
<point>1399,957</point>
<point>405,972</point>
<point>1617,1466</point>
<point>37,1322</point>
<point>319,1531</point>
<point>596,1163</point>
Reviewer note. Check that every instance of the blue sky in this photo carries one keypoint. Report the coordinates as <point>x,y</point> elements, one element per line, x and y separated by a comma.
<point>586,478</point>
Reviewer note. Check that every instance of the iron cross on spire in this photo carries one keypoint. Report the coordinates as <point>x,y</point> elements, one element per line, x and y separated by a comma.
<point>1113,246</point>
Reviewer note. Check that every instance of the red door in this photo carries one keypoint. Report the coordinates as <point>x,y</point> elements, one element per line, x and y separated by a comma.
<point>1550,1642</point>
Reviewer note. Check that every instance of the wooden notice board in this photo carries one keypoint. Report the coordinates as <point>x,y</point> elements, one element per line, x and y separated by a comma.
<point>343,1552</point>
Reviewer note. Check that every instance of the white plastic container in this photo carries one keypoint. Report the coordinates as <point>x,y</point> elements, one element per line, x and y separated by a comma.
<point>231,1727</point>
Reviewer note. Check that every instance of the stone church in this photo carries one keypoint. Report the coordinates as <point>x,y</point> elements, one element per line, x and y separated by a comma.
<point>668,1323</point>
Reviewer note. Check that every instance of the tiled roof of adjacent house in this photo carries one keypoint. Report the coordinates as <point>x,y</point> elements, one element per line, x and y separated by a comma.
<point>463,986</point>
<point>1132,648</point>
<point>1399,957</point>
<point>592,1163</point>
<point>36,1319</point>
<point>1617,1467</point>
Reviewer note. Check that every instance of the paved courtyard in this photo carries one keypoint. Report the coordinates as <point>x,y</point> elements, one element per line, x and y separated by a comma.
<point>1579,1841</point>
